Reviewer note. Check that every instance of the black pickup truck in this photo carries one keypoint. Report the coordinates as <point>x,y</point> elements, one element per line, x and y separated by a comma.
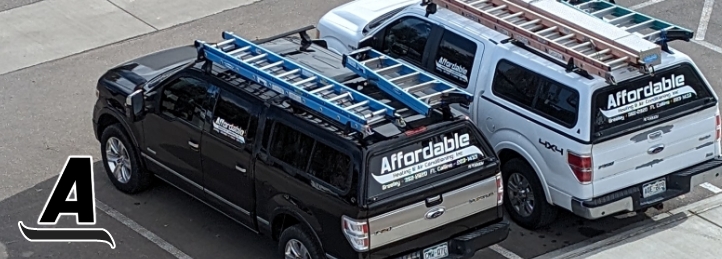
<point>291,174</point>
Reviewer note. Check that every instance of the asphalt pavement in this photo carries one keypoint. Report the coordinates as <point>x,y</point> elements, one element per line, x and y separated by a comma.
<point>45,109</point>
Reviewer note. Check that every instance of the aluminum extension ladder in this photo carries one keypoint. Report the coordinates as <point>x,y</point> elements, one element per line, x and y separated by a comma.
<point>322,94</point>
<point>645,26</point>
<point>546,27</point>
<point>334,100</point>
<point>648,27</point>
<point>415,88</point>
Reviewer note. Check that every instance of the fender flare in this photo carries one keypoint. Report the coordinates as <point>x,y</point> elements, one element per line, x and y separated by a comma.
<point>121,118</point>
<point>529,159</point>
<point>294,213</point>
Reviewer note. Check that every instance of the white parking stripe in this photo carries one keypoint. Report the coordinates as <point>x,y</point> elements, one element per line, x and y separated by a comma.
<point>645,4</point>
<point>708,45</point>
<point>506,253</point>
<point>142,231</point>
<point>711,187</point>
<point>704,20</point>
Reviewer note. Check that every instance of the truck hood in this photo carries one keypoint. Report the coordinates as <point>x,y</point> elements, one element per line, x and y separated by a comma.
<point>355,15</point>
<point>128,75</point>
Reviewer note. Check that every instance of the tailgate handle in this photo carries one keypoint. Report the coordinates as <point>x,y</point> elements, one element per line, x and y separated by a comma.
<point>433,201</point>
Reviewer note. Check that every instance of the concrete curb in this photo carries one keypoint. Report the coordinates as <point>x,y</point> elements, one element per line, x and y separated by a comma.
<point>592,245</point>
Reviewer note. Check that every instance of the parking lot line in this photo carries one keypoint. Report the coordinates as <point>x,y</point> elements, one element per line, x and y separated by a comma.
<point>645,4</point>
<point>504,252</point>
<point>708,45</point>
<point>142,231</point>
<point>711,187</point>
<point>704,19</point>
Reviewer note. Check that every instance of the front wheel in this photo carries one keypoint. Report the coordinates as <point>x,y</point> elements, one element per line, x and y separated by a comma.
<point>121,161</point>
<point>295,243</point>
<point>524,197</point>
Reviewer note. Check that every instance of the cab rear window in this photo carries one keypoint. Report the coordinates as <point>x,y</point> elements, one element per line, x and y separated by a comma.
<point>649,98</point>
<point>424,159</point>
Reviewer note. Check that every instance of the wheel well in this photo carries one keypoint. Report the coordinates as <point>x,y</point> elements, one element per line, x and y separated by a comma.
<point>508,154</point>
<point>280,223</point>
<point>104,121</point>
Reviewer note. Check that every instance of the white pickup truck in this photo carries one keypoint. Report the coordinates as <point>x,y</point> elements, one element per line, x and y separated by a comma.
<point>570,140</point>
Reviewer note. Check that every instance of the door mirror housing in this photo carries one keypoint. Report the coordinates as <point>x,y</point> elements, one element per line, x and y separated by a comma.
<point>134,105</point>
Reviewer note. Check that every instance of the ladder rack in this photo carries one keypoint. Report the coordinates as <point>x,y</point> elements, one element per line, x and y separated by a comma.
<point>583,48</point>
<point>415,88</point>
<point>647,27</point>
<point>324,95</point>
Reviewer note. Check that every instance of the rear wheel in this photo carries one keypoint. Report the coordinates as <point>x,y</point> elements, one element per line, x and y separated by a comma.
<point>296,243</point>
<point>121,161</point>
<point>524,197</point>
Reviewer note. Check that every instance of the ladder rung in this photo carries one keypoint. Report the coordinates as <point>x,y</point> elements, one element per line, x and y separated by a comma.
<point>544,31</point>
<point>604,11</point>
<point>621,18</point>
<point>371,60</point>
<point>356,105</point>
<point>619,60</point>
<point>256,57</point>
<point>435,94</point>
<point>491,10</point>
<point>564,37</point>
<point>321,89</point>
<point>340,96</point>
<point>582,45</point>
<point>288,73</point>
<point>387,68</point>
<point>404,76</point>
<point>604,51</point>
<point>478,2</point>
<point>225,42</point>
<point>513,15</point>
<point>309,79</point>
<point>408,89</point>
<point>236,51</point>
<point>638,26</point>
<point>271,65</point>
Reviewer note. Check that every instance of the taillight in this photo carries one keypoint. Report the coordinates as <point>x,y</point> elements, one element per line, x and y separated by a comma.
<point>356,232</point>
<point>718,128</point>
<point>499,189</point>
<point>581,165</point>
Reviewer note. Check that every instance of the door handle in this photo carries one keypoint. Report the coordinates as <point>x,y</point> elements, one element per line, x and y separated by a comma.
<point>240,169</point>
<point>193,144</point>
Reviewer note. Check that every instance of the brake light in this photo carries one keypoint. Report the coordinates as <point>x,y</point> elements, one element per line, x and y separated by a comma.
<point>415,131</point>
<point>581,165</point>
<point>499,189</point>
<point>356,232</point>
<point>718,127</point>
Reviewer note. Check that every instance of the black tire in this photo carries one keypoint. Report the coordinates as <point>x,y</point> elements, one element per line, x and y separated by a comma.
<point>543,213</point>
<point>140,179</point>
<point>296,232</point>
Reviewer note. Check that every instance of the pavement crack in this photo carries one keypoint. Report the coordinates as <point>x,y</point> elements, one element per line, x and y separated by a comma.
<point>134,16</point>
<point>706,219</point>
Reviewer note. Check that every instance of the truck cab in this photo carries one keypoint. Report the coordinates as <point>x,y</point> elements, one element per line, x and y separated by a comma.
<point>566,139</point>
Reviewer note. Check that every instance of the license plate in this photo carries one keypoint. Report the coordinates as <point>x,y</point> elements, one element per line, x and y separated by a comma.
<point>654,188</point>
<point>438,251</point>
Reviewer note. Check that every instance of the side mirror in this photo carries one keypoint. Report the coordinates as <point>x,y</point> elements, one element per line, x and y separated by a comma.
<point>134,104</point>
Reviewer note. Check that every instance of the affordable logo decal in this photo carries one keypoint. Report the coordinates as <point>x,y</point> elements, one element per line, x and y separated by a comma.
<point>402,164</point>
<point>655,93</point>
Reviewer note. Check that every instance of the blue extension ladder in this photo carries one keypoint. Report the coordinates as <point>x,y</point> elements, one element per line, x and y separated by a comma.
<point>413,87</point>
<point>648,27</point>
<point>315,91</point>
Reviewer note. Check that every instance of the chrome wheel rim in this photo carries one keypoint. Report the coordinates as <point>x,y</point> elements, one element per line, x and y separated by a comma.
<point>296,250</point>
<point>118,159</point>
<point>521,197</point>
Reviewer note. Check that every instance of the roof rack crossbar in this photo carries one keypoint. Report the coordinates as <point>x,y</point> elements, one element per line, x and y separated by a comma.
<point>645,26</point>
<point>297,83</point>
<point>416,88</point>
<point>545,26</point>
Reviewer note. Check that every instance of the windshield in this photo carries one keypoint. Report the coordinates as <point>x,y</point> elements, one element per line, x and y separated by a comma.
<point>423,159</point>
<point>645,99</point>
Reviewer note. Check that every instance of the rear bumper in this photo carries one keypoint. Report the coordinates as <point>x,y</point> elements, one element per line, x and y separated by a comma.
<point>630,198</point>
<point>466,245</point>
